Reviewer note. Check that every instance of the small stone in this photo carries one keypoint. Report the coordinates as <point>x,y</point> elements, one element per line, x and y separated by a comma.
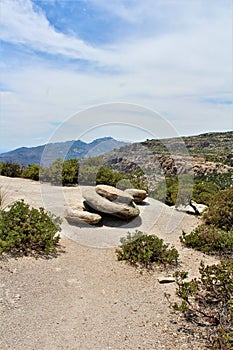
<point>138,195</point>
<point>166,280</point>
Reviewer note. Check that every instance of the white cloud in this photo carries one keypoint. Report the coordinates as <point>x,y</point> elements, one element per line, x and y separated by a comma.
<point>169,71</point>
<point>21,24</point>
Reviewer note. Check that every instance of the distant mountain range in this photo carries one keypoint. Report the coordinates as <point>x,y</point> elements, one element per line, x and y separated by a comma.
<point>46,154</point>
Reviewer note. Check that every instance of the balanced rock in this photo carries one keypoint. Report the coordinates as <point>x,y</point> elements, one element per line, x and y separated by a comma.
<point>81,216</point>
<point>138,195</point>
<point>104,205</point>
<point>113,194</point>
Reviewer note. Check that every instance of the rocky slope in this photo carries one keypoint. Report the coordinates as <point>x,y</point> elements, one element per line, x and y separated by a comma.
<point>196,155</point>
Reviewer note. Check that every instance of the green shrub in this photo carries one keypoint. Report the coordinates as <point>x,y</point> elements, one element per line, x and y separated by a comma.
<point>209,239</point>
<point>167,190</point>
<point>88,169</point>
<point>175,190</point>
<point>144,250</point>
<point>220,213</point>
<point>208,303</point>
<point>61,172</point>
<point>70,172</point>
<point>106,176</point>
<point>203,191</point>
<point>31,172</point>
<point>11,169</point>
<point>28,231</point>
<point>215,235</point>
<point>223,181</point>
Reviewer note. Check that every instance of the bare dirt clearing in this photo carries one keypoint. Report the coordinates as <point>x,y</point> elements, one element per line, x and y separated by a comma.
<point>86,299</point>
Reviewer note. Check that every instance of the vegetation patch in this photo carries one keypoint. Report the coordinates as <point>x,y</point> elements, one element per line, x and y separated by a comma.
<point>25,231</point>
<point>215,235</point>
<point>144,250</point>
<point>207,303</point>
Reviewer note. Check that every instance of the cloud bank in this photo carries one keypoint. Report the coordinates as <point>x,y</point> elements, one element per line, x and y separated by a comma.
<point>173,57</point>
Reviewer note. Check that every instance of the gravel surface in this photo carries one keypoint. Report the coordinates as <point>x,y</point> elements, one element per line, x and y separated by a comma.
<point>85,299</point>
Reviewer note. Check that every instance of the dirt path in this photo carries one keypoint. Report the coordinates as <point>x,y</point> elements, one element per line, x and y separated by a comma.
<point>85,299</point>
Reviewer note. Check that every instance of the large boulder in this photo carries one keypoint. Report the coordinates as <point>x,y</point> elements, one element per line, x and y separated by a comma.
<point>138,195</point>
<point>113,194</point>
<point>80,216</point>
<point>104,205</point>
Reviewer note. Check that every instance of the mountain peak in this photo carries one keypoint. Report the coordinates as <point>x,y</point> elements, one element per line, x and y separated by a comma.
<point>76,149</point>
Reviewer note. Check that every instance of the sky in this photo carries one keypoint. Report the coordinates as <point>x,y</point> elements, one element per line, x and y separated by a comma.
<point>129,69</point>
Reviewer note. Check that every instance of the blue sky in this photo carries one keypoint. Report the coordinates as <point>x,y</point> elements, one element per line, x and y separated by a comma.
<point>59,58</point>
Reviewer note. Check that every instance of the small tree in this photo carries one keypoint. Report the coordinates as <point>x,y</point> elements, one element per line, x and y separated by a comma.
<point>11,169</point>
<point>70,172</point>
<point>31,172</point>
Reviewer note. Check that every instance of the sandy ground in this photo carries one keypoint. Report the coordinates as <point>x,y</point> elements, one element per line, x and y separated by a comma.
<point>85,299</point>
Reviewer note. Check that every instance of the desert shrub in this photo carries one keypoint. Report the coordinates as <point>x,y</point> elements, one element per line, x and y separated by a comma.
<point>203,191</point>
<point>70,172</point>
<point>31,172</point>
<point>28,231</point>
<point>175,190</point>
<point>55,172</point>
<point>220,213</point>
<point>223,181</point>
<point>11,169</point>
<point>138,180</point>
<point>166,191</point>
<point>106,176</point>
<point>209,239</point>
<point>207,302</point>
<point>88,169</point>
<point>145,250</point>
<point>215,235</point>
<point>61,172</point>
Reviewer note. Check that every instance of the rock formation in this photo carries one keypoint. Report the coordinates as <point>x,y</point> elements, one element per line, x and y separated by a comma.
<point>101,204</point>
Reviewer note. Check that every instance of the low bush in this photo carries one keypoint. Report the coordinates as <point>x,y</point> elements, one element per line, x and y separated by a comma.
<point>145,250</point>
<point>203,191</point>
<point>207,302</point>
<point>220,213</point>
<point>209,239</point>
<point>28,231</point>
<point>215,235</point>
